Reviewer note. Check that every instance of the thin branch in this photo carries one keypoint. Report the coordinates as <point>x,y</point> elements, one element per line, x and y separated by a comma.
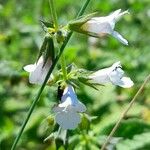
<point>125,112</point>
<point>45,81</point>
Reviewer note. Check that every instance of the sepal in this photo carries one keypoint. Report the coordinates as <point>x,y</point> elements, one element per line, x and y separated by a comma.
<point>76,24</point>
<point>47,24</point>
<point>50,50</point>
<point>48,27</point>
<point>43,48</point>
<point>47,49</point>
<point>86,82</point>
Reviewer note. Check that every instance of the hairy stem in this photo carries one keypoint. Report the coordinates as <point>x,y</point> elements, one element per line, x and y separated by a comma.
<point>63,66</point>
<point>124,113</point>
<point>54,14</point>
<point>45,81</point>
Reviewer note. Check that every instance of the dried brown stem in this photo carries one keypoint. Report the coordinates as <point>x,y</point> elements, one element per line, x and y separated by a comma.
<point>124,113</point>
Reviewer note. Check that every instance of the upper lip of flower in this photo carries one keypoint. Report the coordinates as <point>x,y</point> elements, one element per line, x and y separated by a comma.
<point>69,98</point>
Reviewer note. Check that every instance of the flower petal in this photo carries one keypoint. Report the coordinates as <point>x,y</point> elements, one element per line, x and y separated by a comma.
<point>116,64</point>
<point>100,76</point>
<point>116,74</point>
<point>124,82</point>
<point>118,14</point>
<point>29,68</point>
<point>119,37</point>
<point>98,27</point>
<point>121,14</point>
<point>39,72</point>
<point>36,77</point>
<point>80,107</point>
<point>57,109</point>
<point>68,119</point>
<point>115,13</point>
<point>67,111</point>
<point>113,74</point>
<point>69,93</point>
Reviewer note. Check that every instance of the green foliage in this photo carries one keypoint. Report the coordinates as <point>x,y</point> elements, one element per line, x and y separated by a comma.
<point>128,128</point>
<point>21,36</point>
<point>139,142</point>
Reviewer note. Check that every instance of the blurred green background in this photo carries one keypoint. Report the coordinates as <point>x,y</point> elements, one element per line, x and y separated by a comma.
<point>21,35</point>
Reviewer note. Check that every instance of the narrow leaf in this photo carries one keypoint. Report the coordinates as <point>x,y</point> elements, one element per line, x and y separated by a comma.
<point>47,24</point>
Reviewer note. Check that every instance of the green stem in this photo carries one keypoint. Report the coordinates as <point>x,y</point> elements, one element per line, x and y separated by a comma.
<point>45,81</point>
<point>54,14</point>
<point>63,66</point>
<point>125,112</point>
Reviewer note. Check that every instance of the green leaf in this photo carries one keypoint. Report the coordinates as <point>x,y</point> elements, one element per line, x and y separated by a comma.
<point>9,69</point>
<point>112,142</point>
<point>74,141</point>
<point>85,122</point>
<point>46,126</point>
<point>139,142</point>
<point>128,128</point>
<point>36,119</point>
<point>6,128</point>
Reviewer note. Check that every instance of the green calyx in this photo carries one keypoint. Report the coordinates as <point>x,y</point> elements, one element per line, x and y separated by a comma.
<point>76,25</point>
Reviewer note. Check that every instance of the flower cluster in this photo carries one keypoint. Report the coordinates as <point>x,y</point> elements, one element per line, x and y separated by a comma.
<point>67,112</point>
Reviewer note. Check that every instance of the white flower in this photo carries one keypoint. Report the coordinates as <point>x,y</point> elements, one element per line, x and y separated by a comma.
<point>99,26</point>
<point>113,74</point>
<point>67,112</point>
<point>38,71</point>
